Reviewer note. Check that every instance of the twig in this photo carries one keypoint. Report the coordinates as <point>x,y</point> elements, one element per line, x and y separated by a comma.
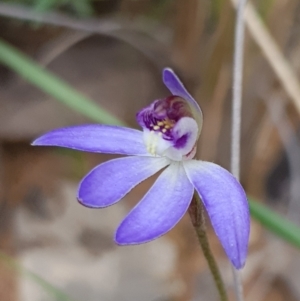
<point>137,34</point>
<point>58,19</point>
<point>237,112</point>
<point>60,45</point>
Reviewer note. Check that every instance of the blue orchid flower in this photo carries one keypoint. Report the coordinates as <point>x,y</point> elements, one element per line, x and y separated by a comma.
<point>171,127</point>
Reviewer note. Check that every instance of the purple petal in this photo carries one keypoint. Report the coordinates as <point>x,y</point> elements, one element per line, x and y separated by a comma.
<point>226,204</point>
<point>97,138</point>
<point>177,88</point>
<point>109,182</point>
<point>160,209</point>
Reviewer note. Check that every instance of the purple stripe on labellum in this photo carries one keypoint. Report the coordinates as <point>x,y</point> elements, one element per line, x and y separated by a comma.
<point>181,142</point>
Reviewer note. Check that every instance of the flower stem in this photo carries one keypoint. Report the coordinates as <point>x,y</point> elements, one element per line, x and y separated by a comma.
<point>197,217</point>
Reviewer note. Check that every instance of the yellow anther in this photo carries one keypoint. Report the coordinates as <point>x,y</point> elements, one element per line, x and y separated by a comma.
<point>164,130</point>
<point>168,123</point>
<point>160,123</point>
<point>156,127</point>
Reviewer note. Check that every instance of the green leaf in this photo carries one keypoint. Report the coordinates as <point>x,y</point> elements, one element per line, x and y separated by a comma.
<point>52,85</point>
<point>275,223</point>
<point>56,293</point>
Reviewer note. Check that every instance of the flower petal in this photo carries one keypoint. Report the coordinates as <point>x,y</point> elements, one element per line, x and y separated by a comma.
<point>160,209</point>
<point>97,138</point>
<point>109,182</point>
<point>226,204</point>
<point>176,87</point>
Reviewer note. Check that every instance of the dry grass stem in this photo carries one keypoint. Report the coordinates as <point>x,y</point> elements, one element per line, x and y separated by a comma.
<point>273,54</point>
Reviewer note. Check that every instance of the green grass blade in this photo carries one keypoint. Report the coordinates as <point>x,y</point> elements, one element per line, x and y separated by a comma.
<point>52,85</point>
<point>275,223</point>
<point>56,293</point>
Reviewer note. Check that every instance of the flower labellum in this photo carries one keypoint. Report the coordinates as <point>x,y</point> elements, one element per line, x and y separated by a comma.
<point>171,127</point>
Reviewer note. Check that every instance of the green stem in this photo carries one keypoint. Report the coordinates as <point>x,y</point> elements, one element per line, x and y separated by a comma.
<point>197,217</point>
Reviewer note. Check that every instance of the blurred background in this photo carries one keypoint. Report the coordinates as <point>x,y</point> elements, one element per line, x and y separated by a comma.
<point>113,52</point>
